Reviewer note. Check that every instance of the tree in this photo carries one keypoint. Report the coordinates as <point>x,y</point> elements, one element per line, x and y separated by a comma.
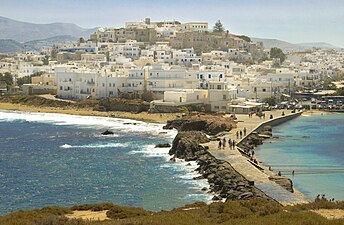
<point>46,60</point>
<point>218,27</point>
<point>7,77</point>
<point>23,80</point>
<point>53,53</point>
<point>81,40</point>
<point>27,79</point>
<point>270,100</point>
<point>244,37</point>
<point>340,92</point>
<point>277,53</point>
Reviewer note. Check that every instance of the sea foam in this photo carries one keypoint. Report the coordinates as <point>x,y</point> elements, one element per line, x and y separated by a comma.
<point>109,145</point>
<point>123,125</point>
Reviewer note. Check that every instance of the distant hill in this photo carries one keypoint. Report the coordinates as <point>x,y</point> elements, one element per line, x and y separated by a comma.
<point>286,46</point>
<point>24,32</point>
<point>319,45</point>
<point>9,46</point>
<point>37,45</point>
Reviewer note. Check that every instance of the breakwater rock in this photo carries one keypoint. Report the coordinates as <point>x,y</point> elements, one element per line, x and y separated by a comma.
<point>209,124</point>
<point>186,145</point>
<point>256,138</point>
<point>224,181</point>
<point>284,182</point>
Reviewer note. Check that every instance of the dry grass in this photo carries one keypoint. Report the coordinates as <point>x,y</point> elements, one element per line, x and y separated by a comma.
<point>255,211</point>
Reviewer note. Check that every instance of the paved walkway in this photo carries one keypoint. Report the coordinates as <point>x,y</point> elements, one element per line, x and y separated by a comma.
<point>242,165</point>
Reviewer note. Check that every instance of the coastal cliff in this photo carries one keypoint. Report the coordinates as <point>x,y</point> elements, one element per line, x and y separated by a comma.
<point>225,182</point>
<point>209,124</point>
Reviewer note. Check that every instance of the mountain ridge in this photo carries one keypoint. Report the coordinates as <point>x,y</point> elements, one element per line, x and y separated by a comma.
<point>287,46</point>
<point>24,31</point>
<point>11,46</point>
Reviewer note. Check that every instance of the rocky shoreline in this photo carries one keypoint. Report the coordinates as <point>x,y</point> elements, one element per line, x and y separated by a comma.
<point>225,182</point>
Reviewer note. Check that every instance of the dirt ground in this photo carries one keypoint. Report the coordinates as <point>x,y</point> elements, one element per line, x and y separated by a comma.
<point>88,215</point>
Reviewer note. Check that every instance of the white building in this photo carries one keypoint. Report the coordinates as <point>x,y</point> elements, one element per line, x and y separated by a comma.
<point>162,77</point>
<point>129,49</point>
<point>195,26</point>
<point>220,95</point>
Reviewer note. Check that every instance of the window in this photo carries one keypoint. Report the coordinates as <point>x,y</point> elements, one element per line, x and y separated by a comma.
<point>197,97</point>
<point>61,88</point>
<point>224,97</point>
<point>109,84</point>
<point>209,76</point>
<point>219,87</point>
<point>264,90</point>
<point>103,85</point>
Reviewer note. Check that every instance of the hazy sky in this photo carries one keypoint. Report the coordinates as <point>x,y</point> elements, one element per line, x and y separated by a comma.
<point>295,21</point>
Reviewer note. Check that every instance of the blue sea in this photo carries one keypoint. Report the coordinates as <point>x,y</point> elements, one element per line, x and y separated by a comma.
<point>312,146</point>
<point>55,159</point>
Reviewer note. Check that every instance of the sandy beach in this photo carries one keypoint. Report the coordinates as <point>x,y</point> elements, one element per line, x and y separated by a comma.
<point>143,116</point>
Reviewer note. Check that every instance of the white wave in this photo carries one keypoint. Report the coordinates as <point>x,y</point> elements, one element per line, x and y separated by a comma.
<point>187,172</point>
<point>114,124</point>
<point>109,145</point>
<point>204,197</point>
<point>151,151</point>
<point>66,146</point>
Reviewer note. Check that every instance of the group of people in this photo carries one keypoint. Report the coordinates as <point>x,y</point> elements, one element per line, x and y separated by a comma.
<point>323,198</point>
<point>241,132</point>
<point>223,142</point>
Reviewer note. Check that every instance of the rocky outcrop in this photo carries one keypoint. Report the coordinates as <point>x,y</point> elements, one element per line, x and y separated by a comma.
<point>256,138</point>
<point>210,124</point>
<point>107,132</point>
<point>186,144</point>
<point>251,142</point>
<point>165,145</point>
<point>284,182</point>
<point>121,104</point>
<point>266,130</point>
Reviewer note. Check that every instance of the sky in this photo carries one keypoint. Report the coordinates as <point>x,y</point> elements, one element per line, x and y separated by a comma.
<point>295,21</point>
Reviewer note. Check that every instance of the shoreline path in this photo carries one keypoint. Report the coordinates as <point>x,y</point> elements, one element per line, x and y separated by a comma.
<point>243,166</point>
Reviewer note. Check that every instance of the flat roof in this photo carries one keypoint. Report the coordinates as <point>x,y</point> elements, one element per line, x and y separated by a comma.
<point>242,106</point>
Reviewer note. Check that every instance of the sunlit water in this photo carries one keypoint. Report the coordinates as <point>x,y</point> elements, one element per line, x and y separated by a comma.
<point>312,146</point>
<point>55,159</point>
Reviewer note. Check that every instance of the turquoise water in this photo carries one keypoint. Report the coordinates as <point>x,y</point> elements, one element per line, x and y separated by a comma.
<point>55,159</point>
<point>318,160</point>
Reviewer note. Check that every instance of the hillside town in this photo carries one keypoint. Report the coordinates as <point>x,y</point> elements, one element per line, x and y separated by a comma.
<point>171,64</point>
